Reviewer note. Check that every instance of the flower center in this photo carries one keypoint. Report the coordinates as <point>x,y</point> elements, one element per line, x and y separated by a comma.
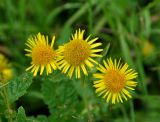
<point>115,81</point>
<point>76,52</point>
<point>42,54</point>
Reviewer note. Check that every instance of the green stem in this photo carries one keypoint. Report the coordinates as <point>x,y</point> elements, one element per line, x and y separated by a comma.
<point>90,16</point>
<point>6,100</point>
<point>124,113</point>
<point>79,13</point>
<point>81,89</point>
<point>86,103</point>
<point>84,96</point>
<point>141,70</point>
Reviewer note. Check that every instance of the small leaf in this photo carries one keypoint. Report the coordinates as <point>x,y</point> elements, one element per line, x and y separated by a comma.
<point>21,116</point>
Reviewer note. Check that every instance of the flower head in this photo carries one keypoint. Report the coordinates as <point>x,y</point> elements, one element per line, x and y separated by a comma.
<point>5,68</point>
<point>77,54</point>
<point>115,81</point>
<point>43,55</point>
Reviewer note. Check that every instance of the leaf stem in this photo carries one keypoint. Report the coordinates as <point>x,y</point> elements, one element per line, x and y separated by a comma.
<point>124,113</point>
<point>6,100</point>
<point>81,89</point>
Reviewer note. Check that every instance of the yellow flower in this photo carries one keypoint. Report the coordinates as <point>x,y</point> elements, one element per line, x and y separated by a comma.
<point>77,54</point>
<point>5,69</point>
<point>148,48</point>
<point>43,55</point>
<point>115,81</point>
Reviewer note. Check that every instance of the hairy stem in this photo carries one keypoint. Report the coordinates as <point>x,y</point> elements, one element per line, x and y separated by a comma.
<point>84,96</point>
<point>81,89</point>
<point>6,100</point>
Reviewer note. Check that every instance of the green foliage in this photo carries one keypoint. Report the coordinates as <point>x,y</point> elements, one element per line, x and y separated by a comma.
<point>121,25</point>
<point>18,86</point>
<point>61,97</point>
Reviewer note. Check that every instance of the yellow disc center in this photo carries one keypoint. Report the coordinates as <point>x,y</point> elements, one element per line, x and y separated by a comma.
<point>115,81</point>
<point>76,52</point>
<point>42,54</point>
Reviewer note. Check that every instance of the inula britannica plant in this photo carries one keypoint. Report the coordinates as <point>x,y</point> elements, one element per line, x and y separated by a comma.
<point>115,80</point>
<point>43,55</point>
<point>79,61</point>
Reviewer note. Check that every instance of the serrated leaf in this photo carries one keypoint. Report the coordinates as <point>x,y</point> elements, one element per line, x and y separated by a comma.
<point>61,97</point>
<point>18,86</point>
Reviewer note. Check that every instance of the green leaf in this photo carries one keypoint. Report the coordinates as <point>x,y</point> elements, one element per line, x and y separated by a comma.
<point>18,86</point>
<point>21,116</point>
<point>59,94</point>
<point>65,35</point>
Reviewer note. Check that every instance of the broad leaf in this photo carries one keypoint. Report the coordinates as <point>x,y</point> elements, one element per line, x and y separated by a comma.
<point>61,98</point>
<point>18,86</point>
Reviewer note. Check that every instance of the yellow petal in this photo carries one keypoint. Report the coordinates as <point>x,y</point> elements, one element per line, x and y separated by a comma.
<point>78,71</point>
<point>42,69</point>
<point>93,40</point>
<point>90,59</point>
<point>109,97</point>
<point>53,65</point>
<point>96,45</point>
<point>96,55</point>
<point>88,63</point>
<point>96,50</point>
<point>88,38</point>
<point>71,71</point>
<point>30,67</point>
<point>53,39</point>
<point>84,69</point>
<point>36,70</point>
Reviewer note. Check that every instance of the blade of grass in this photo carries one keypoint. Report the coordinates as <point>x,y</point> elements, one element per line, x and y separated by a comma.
<point>90,16</point>
<point>22,11</point>
<point>51,17</point>
<point>139,62</point>
<point>100,24</point>
<point>79,13</point>
<point>124,45</point>
<point>132,111</point>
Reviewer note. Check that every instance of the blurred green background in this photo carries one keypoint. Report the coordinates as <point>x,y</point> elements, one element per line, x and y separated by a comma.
<point>131,27</point>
